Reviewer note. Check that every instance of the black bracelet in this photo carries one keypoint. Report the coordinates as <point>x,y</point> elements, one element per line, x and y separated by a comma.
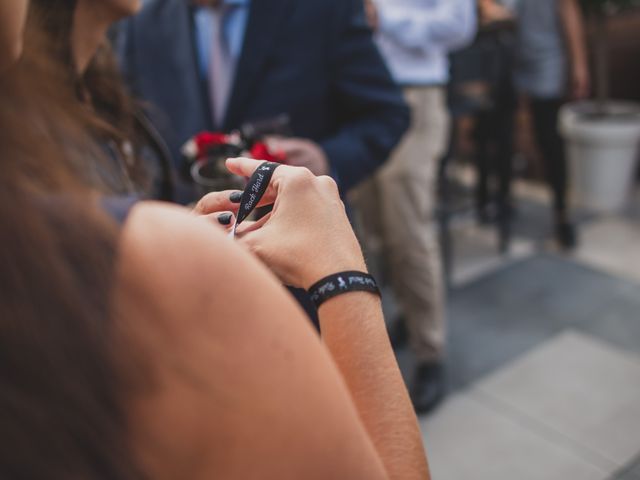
<point>339,283</point>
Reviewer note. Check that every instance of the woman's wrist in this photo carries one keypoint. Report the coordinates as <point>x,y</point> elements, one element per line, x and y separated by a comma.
<point>324,269</point>
<point>341,283</point>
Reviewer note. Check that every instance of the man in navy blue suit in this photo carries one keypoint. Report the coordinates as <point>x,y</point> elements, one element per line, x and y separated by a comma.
<point>216,64</point>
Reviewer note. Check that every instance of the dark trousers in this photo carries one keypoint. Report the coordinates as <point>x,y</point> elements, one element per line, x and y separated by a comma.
<point>495,126</point>
<point>545,124</point>
<point>494,153</point>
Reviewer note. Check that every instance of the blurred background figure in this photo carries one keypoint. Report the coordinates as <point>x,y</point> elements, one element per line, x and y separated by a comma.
<point>214,65</point>
<point>550,68</point>
<point>75,32</point>
<point>495,123</point>
<point>396,206</point>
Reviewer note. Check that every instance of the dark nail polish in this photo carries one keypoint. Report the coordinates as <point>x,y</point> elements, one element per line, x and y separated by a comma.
<point>225,219</point>
<point>235,197</point>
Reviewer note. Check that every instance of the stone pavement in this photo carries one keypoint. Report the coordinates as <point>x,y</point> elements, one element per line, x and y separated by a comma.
<point>544,355</point>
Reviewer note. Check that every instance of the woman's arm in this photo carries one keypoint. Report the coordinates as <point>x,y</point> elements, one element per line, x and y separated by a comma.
<point>242,386</point>
<point>354,331</point>
<point>307,237</point>
<point>573,26</point>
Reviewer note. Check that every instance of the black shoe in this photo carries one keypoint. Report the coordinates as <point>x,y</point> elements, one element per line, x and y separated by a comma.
<point>566,235</point>
<point>428,387</point>
<point>398,333</point>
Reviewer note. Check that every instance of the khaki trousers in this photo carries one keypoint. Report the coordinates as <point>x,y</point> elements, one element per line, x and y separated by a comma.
<point>396,218</point>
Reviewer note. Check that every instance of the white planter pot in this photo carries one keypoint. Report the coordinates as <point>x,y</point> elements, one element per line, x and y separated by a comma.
<point>602,151</point>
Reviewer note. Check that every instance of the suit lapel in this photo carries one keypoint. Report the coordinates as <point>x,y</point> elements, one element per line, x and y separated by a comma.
<point>264,23</point>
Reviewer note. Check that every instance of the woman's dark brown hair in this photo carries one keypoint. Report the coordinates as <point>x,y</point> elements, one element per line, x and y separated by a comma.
<point>61,384</point>
<point>112,116</point>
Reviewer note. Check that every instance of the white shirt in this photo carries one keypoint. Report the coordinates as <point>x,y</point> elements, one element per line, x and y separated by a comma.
<point>416,36</point>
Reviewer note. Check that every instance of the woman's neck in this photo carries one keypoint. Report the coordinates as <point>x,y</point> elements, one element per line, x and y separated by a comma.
<point>90,28</point>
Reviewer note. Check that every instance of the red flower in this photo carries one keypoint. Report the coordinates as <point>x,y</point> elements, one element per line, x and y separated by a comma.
<point>260,151</point>
<point>205,141</point>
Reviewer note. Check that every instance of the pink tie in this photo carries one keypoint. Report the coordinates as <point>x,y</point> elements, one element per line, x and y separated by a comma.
<point>220,67</point>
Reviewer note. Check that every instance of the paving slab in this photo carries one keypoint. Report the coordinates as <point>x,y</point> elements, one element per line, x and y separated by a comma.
<point>630,472</point>
<point>502,316</point>
<point>619,321</point>
<point>579,388</point>
<point>467,440</point>
<point>611,245</point>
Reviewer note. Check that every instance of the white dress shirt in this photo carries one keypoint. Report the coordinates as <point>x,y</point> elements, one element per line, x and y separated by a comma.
<point>416,36</point>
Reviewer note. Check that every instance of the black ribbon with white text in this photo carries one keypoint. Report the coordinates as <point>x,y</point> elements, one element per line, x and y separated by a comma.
<point>343,282</point>
<point>256,188</point>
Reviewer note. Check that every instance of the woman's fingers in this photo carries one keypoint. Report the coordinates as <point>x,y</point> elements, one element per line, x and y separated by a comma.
<point>285,176</point>
<point>251,226</point>
<point>223,219</point>
<point>226,201</point>
<point>243,166</point>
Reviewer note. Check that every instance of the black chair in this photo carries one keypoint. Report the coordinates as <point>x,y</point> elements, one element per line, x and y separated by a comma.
<point>480,86</point>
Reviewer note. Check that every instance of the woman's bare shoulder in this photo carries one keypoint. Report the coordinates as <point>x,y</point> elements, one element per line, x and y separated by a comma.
<point>241,370</point>
<point>188,264</point>
<point>165,237</point>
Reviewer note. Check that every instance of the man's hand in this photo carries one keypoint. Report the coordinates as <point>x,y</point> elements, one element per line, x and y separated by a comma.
<point>372,14</point>
<point>301,153</point>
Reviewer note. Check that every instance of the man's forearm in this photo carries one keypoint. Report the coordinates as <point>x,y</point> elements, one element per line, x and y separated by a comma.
<point>362,146</point>
<point>370,111</point>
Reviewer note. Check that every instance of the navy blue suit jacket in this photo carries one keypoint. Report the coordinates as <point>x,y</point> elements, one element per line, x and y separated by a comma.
<point>314,60</point>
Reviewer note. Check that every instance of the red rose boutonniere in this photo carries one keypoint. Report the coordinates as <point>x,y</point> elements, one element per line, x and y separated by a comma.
<point>208,144</point>
<point>205,145</point>
<point>260,151</point>
<point>205,155</point>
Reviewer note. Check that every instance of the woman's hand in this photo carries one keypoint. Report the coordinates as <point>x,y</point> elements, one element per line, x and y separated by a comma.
<point>580,82</point>
<point>492,12</point>
<point>373,18</point>
<point>306,237</point>
<point>221,208</point>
